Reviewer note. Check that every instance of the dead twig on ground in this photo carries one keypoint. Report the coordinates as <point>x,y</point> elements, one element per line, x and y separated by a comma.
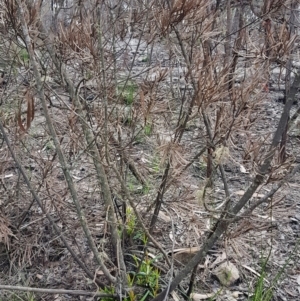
<point>56,291</point>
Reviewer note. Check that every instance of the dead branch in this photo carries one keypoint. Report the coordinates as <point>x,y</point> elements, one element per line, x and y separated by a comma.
<point>57,144</point>
<point>55,291</point>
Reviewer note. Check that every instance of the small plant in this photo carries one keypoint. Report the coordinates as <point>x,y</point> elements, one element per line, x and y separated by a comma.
<point>146,276</point>
<point>145,189</point>
<point>130,221</point>
<point>145,59</point>
<point>266,294</point>
<point>156,164</point>
<point>140,235</point>
<point>128,93</point>
<point>130,186</point>
<point>259,293</point>
<point>49,146</point>
<point>148,129</point>
<point>108,290</point>
<point>138,139</point>
<point>134,186</point>
<point>23,55</point>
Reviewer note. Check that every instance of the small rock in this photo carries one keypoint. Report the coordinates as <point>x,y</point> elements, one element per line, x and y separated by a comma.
<point>227,273</point>
<point>236,294</point>
<point>297,216</point>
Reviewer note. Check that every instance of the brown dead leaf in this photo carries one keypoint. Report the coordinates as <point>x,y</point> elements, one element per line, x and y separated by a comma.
<point>29,112</point>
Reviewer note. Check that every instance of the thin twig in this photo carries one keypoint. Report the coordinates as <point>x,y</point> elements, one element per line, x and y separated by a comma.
<point>55,291</point>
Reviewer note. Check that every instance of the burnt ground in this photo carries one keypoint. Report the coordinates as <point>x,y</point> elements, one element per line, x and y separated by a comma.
<point>32,254</point>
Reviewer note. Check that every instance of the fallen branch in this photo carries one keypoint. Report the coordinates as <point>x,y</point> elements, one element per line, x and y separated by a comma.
<point>55,291</point>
